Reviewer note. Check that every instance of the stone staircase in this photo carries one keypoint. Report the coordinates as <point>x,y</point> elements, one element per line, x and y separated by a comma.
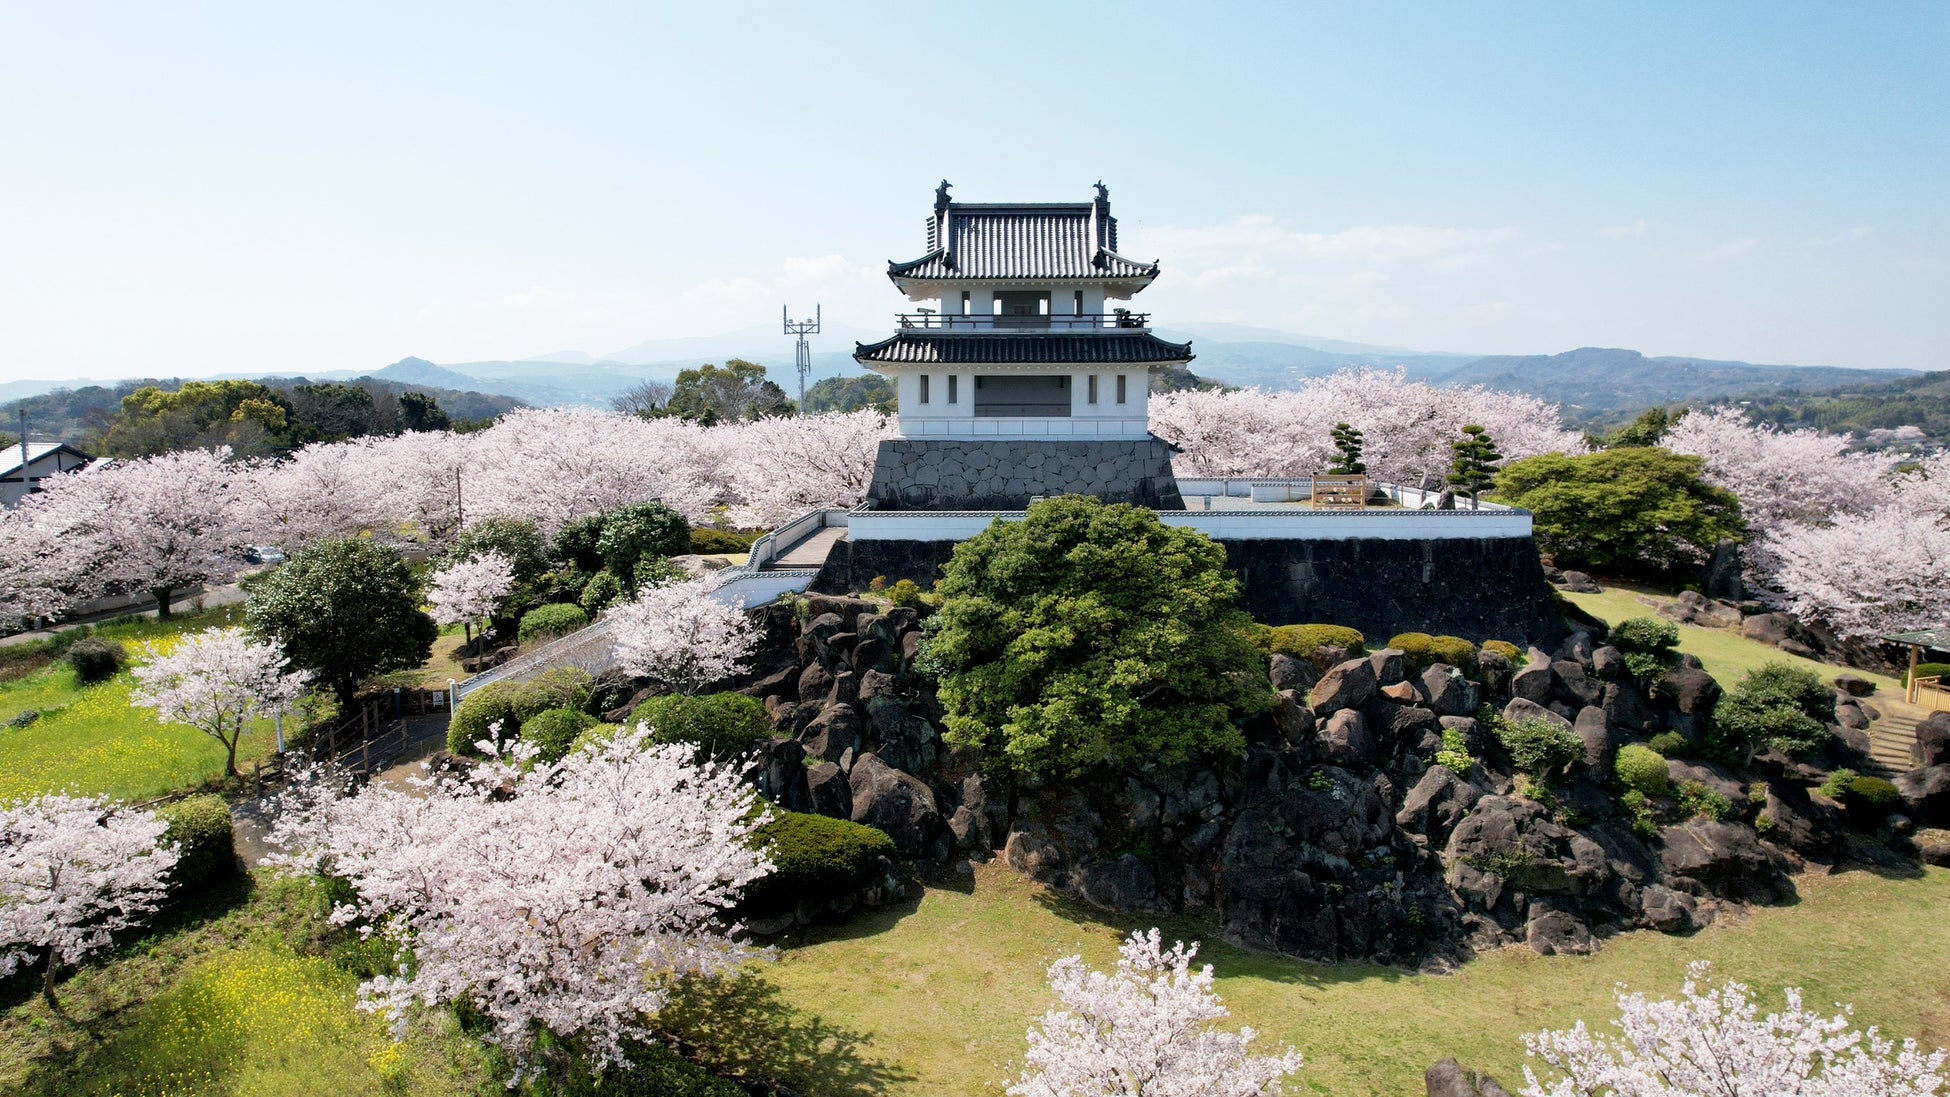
<point>1891,739</point>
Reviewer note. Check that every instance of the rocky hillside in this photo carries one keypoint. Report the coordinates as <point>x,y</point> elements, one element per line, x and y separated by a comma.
<point>1338,836</point>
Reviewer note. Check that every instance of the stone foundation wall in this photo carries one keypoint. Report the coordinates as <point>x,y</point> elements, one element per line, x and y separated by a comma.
<point>1004,473</point>
<point>1479,588</point>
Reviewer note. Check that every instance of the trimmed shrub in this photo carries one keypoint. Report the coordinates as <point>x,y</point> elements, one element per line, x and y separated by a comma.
<point>642,531</point>
<point>719,542</point>
<point>602,591</point>
<point>557,687</point>
<point>1672,745</point>
<point>1868,799</point>
<point>1778,707</point>
<point>575,543</point>
<point>478,712</point>
<point>1505,648</point>
<point>1538,747</point>
<point>1647,644</point>
<point>720,725</point>
<point>516,538</point>
<point>1424,651</point>
<point>554,731</point>
<point>550,621</point>
<point>95,659</point>
<point>1644,769</point>
<point>1302,641</point>
<point>201,826</point>
<point>1698,801</point>
<point>1933,670</point>
<point>655,571</point>
<point>814,859</point>
<point>907,593</point>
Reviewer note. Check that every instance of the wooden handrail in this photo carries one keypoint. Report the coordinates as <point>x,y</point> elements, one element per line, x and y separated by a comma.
<point>1934,683</point>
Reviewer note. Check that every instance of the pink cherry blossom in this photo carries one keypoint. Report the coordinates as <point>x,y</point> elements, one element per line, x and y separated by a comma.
<point>216,681</point>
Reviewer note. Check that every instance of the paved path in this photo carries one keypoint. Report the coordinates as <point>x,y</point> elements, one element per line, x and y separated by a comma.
<point>810,552</point>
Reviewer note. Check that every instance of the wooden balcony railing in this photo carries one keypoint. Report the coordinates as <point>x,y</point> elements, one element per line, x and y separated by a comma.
<point>1062,321</point>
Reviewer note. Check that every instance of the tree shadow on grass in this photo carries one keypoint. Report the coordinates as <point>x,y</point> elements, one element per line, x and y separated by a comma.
<point>744,1028</point>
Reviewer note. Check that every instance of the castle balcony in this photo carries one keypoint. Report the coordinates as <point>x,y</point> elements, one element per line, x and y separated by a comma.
<point>1062,321</point>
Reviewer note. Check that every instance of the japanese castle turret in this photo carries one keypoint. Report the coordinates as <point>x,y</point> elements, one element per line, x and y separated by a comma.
<point>1021,378</point>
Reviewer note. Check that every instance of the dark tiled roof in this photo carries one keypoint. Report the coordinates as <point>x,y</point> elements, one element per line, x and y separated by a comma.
<point>1065,240</point>
<point>1087,348</point>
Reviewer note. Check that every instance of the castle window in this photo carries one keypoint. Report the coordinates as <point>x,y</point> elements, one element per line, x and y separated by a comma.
<point>1079,309</point>
<point>1093,388</point>
<point>1120,389</point>
<point>924,388</point>
<point>954,396</point>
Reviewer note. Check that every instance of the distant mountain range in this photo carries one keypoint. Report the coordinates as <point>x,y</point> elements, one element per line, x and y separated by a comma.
<point>1595,386</point>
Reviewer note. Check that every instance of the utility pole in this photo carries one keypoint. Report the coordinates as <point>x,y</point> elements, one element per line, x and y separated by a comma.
<point>803,359</point>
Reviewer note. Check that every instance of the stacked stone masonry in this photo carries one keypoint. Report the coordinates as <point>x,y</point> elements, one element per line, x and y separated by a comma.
<point>1006,473</point>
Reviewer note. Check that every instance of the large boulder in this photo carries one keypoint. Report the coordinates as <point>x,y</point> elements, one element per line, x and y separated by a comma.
<point>1690,690</point>
<point>1449,693</point>
<point>1809,827</point>
<point>1592,727</point>
<point>1927,792</point>
<point>1578,582</point>
<point>834,732</point>
<point>1521,709</point>
<point>1436,804</point>
<point>1932,741</point>
<point>1771,628</point>
<point>1290,673</point>
<point>1573,686</point>
<point>1721,859</point>
<point>1345,685</point>
<point>896,802</point>
<point>1511,844</point>
<point>1344,740</point>
<point>1124,884</point>
<point>1533,683</point>
<point>1449,1078</point>
<point>1390,666</point>
<point>1627,709</point>
<point>831,795</point>
<point>1034,852</point>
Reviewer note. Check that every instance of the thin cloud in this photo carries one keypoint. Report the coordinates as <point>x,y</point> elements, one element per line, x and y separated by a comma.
<point>1630,229</point>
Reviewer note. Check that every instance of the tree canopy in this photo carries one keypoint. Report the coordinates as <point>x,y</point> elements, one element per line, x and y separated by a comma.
<point>344,610</point>
<point>721,394</point>
<point>1632,509</point>
<point>1091,633</point>
<point>867,391</point>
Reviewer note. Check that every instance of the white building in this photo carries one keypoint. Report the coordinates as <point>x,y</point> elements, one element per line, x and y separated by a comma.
<point>24,465</point>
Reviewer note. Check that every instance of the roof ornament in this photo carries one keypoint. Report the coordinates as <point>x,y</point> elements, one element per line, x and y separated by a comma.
<point>941,196</point>
<point>1103,192</point>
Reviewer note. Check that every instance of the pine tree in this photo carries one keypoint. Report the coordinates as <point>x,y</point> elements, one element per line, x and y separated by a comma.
<point>1347,459</point>
<point>1474,470</point>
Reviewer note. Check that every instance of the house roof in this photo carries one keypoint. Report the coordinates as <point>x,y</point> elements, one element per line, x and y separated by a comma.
<point>1928,638</point>
<point>10,455</point>
<point>1027,240</point>
<point>1083,348</point>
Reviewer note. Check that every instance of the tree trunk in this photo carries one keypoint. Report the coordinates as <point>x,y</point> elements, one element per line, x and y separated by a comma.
<point>230,758</point>
<point>53,967</point>
<point>161,595</point>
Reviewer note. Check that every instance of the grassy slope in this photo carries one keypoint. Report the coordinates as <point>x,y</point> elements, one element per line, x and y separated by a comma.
<point>224,1005</point>
<point>89,740</point>
<point>935,999</point>
<point>1725,653</point>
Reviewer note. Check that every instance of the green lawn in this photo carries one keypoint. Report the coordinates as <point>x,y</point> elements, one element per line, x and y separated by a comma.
<point>1726,654</point>
<point>89,740</point>
<point>935,999</point>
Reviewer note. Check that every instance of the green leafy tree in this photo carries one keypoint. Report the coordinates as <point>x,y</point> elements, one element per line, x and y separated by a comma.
<point>1627,510</point>
<point>736,391</point>
<point>244,415</point>
<point>1474,469</point>
<point>1347,458</point>
<point>1649,429</point>
<point>344,610</point>
<point>1092,634</point>
<point>1778,706</point>
<point>419,411</point>
<point>634,536</point>
<point>852,394</point>
<point>516,538</point>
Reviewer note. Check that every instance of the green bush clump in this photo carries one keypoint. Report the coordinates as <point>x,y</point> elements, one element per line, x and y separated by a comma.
<point>1505,648</point>
<point>1424,651</point>
<point>1643,769</point>
<point>1648,645</point>
<point>550,621</point>
<point>1867,799</point>
<point>512,703</point>
<point>1777,707</point>
<point>602,591</point>
<point>201,828</point>
<point>95,659</point>
<point>1672,745</point>
<point>719,542</point>
<point>1454,755</point>
<point>1638,806</point>
<point>814,858</point>
<point>1302,641</point>
<point>655,1070</point>
<point>1933,670</point>
<point>575,543</point>
<point>644,531</point>
<point>906,593</point>
<point>1697,800</point>
<point>515,538</point>
<point>1538,747</point>
<point>720,725</point>
<point>553,731</point>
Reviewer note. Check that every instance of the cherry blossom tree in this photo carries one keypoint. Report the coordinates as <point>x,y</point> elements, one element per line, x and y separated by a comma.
<point>75,871</point>
<point>1868,574</point>
<point>565,896</point>
<point>1144,1030</point>
<point>216,681</point>
<point>1715,1043</point>
<point>153,525</point>
<point>778,469</point>
<point>471,590</point>
<point>1782,476</point>
<point>682,636</point>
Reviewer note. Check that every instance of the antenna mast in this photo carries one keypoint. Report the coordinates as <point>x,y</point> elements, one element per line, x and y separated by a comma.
<point>803,360</point>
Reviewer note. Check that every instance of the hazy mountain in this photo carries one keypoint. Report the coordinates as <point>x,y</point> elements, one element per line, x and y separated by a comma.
<point>1599,384</point>
<point>1239,355</point>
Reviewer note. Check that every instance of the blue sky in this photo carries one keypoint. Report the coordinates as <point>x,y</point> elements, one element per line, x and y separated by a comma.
<point>193,189</point>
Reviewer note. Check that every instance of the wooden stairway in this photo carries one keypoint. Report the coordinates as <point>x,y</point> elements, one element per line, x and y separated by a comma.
<point>1892,738</point>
